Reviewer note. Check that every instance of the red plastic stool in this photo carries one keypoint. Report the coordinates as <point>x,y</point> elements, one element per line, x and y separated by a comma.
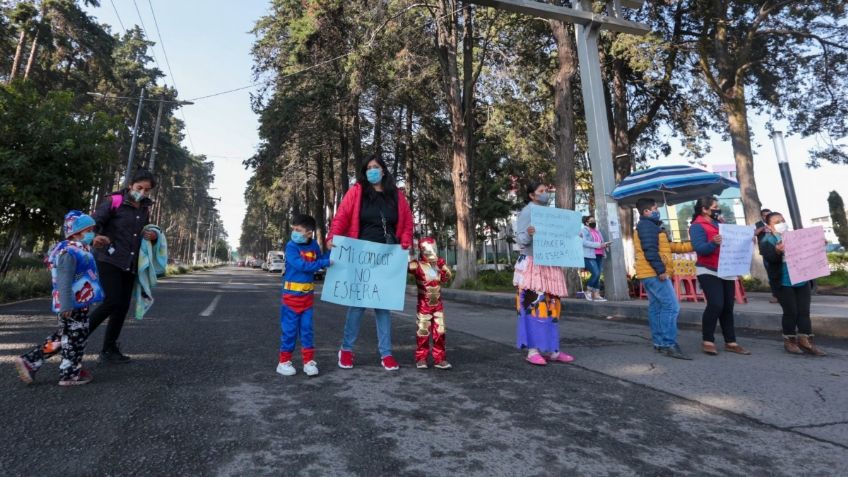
<point>740,292</point>
<point>643,295</point>
<point>689,290</point>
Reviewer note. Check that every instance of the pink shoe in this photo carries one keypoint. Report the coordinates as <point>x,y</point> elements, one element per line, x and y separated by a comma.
<point>561,358</point>
<point>536,359</point>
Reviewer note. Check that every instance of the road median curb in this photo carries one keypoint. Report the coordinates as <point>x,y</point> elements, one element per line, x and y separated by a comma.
<point>835,326</point>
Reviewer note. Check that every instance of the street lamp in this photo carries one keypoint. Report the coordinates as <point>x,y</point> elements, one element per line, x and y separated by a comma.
<point>141,101</point>
<point>786,176</point>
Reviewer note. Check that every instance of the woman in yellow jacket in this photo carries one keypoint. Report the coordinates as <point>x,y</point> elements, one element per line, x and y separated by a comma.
<point>654,269</point>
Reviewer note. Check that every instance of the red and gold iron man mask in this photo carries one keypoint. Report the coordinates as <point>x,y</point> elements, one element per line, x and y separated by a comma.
<point>428,249</point>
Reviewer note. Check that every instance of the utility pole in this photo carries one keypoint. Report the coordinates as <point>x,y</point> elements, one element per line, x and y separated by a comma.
<point>197,236</point>
<point>786,176</point>
<point>156,131</point>
<point>152,161</point>
<point>588,26</point>
<point>134,139</point>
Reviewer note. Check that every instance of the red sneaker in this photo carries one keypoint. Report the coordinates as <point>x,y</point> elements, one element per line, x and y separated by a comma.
<point>345,359</point>
<point>84,377</point>
<point>389,363</point>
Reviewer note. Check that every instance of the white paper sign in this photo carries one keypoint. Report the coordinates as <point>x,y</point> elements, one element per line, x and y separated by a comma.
<point>737,248</point>
<point>612,220</point>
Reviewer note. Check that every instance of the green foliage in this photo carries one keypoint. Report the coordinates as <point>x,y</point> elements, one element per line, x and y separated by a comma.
<point>837,280</point>
<point>837,215</point>
<point>50,155</point>
<point>490,280</point>
<point>23,283</point>
<point>753,284</point>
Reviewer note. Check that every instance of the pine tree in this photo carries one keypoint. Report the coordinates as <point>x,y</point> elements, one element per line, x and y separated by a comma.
<point>837,215</point>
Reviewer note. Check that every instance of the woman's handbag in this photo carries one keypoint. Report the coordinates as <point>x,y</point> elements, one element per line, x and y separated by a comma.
<point>390,239</point>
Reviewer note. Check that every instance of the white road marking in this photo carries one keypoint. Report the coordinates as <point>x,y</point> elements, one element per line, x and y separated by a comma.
<point>211,308</point>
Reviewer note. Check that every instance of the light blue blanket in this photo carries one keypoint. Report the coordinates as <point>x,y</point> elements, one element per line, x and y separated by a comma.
<point>152,263</point>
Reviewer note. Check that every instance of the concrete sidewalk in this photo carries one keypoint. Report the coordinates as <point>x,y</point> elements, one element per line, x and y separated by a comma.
<point>829,313</point>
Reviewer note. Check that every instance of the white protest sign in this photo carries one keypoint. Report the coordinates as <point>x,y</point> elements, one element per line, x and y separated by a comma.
<point>805,254</point>
<point>557,239</point>
<point>737,248</point>
<point>366,274</point>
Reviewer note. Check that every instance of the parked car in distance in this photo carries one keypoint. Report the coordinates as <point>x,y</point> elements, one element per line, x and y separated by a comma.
<point>240,263</point>
<point>258,264</point>
<point>275,261</point>
<point>834,247</point>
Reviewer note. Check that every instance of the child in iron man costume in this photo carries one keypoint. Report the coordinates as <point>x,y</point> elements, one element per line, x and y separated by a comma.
<point>430,273</point>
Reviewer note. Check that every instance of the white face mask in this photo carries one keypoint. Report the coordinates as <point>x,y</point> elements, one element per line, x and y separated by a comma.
<point>781,228</point>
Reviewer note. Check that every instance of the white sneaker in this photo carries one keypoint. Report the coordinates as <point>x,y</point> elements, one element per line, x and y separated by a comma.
<point>587,295</point>
<point>311,368</point>
<point>599,298</point>
<point>286,369</point>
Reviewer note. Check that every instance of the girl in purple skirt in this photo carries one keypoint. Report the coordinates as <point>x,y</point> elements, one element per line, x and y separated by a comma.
<point>540,289</point>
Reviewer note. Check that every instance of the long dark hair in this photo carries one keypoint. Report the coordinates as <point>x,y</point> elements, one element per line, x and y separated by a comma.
<point>703,203</point>
<point>388,182</point>
<point>531,189</point>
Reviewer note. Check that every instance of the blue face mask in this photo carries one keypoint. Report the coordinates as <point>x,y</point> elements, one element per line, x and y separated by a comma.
<point>543,198</point>
<point>374,175</point>
<point>298,237</point>
<point>87,238</point>
<point>136,195</point>
<point>655,215</point>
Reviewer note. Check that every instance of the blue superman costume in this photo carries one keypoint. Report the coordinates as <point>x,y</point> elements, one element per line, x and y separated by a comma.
<point>302,261</point>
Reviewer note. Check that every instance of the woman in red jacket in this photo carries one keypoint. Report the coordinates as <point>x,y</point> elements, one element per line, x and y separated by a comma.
<point>374,210</point>
<point>719,291</point>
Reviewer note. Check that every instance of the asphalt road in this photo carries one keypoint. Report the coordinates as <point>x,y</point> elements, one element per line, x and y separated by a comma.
<point>201,398</point>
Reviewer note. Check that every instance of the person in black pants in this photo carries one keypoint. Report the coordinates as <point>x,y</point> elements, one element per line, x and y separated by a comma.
<point>120,223</point>
<point>794,297</point>
<point>761,229</point>
<point>720,292</point>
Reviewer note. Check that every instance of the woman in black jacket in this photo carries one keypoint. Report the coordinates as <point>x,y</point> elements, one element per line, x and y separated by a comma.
<point>120,227</point>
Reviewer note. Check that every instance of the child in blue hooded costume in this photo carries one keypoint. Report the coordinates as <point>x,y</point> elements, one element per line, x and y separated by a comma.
<point>76,287</point>
<point>303,259</point>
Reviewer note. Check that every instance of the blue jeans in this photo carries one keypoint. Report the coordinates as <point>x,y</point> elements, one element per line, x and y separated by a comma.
<point>384,329</point>
<point>663,309</point>
<point>594,266</point>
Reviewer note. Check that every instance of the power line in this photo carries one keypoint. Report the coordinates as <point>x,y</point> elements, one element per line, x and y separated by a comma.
<point>144,29</point>
<point>170,70</point>
<point>118,15</point>
<point>368,44</point>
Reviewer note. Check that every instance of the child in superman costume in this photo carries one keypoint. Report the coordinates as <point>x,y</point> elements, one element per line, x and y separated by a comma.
<point>303,259</point>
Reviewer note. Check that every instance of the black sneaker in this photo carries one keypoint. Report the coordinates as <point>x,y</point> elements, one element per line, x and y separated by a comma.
<point>113,355</point>
<point>675,352</point>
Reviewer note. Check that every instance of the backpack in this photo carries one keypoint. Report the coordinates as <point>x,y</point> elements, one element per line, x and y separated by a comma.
<point>117,200</point>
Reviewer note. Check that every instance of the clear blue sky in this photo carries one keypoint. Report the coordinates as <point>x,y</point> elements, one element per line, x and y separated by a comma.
<point>208,46</point>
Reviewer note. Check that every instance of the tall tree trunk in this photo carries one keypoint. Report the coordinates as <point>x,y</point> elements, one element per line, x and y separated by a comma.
<point>564,126</point>
<point>19,53</point>
<point>622,159</point>
<point>378,125</point>
<point>446,45</point>
<point>740,138</point>
<point>344,164</point>
<point>356,133</point>
<point>409,158</point>
<point>321,201</point>
<point>31,59</point>
<point>12,246</point>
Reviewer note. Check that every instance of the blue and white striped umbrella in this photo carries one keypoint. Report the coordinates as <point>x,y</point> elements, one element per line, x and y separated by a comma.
<point>670,185</point>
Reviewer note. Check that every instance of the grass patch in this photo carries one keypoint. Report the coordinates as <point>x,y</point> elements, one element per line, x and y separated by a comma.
<point>490,280</point>
<point>836,279</point>
<point>751,284</point>
<point>23,283</point>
